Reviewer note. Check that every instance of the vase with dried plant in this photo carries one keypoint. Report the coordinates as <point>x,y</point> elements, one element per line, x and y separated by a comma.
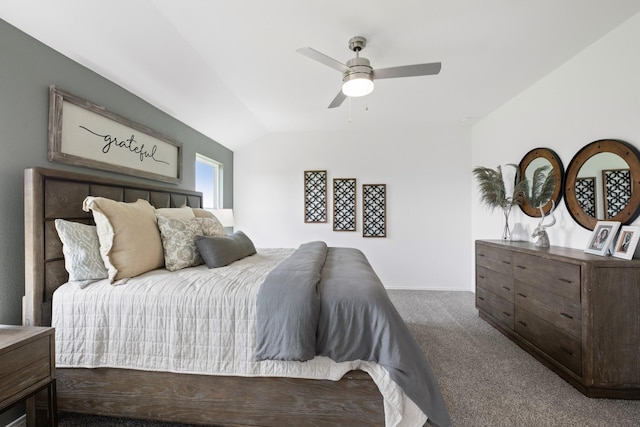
<point>493,192</point>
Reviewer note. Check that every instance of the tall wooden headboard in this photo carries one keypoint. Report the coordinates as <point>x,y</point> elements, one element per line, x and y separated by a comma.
<point>50,194</point>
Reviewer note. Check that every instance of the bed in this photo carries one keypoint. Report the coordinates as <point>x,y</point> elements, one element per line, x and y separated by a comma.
<point>185,395</point>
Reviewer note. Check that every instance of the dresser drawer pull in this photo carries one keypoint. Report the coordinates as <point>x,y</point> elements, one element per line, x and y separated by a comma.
<point>506,314</point>
<point>479,254</point>
<point>506,287</point>
<point>522,323</point>
<point>569,352</point>
<point>568,316</point>
<point>481,299</point>
<point>506,262</point>
<point>481,277</point>
<point>566,280</point>
<point>521,267</point>
<point>522,295</point>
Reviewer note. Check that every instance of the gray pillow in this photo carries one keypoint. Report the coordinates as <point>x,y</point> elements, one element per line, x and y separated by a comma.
<point>218,251</point>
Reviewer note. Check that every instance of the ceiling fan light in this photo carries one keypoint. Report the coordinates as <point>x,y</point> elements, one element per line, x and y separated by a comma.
<point>357,84</point>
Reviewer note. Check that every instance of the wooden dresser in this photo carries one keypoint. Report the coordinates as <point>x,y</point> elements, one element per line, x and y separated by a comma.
<point>27,366</point>
<point>579,314</point>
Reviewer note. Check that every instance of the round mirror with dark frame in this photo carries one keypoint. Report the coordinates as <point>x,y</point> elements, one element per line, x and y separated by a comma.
<point>603,183</point>
<point>544,172</point>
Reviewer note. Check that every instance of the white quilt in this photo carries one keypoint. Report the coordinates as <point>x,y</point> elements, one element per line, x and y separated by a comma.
<point>196,320</point>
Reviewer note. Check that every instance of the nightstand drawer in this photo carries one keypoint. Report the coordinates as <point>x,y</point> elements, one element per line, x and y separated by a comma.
<point>27,366</point>
<point>24,366</point>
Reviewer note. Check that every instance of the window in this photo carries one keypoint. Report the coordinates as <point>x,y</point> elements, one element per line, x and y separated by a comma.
<point>209,181</point>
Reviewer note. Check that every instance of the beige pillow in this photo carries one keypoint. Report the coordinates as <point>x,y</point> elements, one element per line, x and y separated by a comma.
<point>202,213</point>
<point>184,212</point>
<point>130,241</point>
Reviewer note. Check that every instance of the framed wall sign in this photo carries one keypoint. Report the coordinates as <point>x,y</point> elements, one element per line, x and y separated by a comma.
<point>374,210</point>
<point>344,204</point>
<point>82,133</point>
<point>315,196</point>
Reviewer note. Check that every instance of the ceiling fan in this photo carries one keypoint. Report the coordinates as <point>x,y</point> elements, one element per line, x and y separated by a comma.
<point>358,75</point>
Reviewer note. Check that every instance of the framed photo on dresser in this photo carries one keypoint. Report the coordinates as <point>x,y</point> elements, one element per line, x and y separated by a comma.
<point>603,235</point>
<point>627,242</point>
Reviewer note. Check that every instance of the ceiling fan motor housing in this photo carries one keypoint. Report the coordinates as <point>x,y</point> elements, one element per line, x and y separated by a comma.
<point>358,81</point>
<point>358,68</point>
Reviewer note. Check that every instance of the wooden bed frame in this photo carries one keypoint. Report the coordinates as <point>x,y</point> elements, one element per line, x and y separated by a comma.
<point>195,399</point>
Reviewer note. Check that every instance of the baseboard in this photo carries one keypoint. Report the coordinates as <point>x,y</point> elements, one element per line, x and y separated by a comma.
<point>20,422</point>
<point>414,288</point>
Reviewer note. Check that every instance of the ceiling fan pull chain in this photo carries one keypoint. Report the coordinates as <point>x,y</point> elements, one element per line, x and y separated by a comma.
<point>349,100</point>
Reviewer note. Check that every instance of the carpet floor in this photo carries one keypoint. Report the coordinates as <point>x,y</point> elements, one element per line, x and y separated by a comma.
<point>485,378</point>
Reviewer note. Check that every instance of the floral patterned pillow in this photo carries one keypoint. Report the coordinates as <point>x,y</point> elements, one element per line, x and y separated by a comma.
<point>211,227</point>
<point>178,240</point>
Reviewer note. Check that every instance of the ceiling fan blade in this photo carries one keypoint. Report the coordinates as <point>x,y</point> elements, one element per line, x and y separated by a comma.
<point>338,100</point>
<point>323,59</point>
<point>407,71</point>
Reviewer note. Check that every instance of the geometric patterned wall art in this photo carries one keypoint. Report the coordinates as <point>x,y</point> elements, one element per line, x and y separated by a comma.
<point>344,204</point>
<point>315,196</point>
<point>374,210</point>
<point>617,190</point>
<point>586,195</point>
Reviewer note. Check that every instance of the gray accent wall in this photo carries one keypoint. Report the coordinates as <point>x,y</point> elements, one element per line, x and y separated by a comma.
<point>27,68</point>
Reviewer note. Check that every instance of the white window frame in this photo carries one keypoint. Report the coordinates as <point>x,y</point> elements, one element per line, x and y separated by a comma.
<point>217,189</point>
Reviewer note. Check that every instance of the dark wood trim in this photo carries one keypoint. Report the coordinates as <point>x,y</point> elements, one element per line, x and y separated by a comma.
<point>630,155</point>
<point>221,401</point>
<point>558,170</point>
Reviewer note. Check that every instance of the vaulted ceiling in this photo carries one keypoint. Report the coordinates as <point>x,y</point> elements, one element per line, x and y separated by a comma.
<point>230,70</point>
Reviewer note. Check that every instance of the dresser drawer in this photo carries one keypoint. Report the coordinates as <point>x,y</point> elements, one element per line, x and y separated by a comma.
<point>496,283</point>
<point>494,259</point>
<point>560,312</point>
<point>558,345</point>
<point>498,308</point>
<point>548,276</point>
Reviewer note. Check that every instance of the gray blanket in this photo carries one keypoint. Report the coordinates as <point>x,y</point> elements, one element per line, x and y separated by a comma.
<point>329,302</point>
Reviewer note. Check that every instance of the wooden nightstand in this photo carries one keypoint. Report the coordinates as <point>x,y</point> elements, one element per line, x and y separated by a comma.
<point>27,366</point>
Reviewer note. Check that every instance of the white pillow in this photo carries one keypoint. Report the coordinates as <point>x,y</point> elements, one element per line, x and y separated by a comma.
<point>81,249</point>
<point>184,212</point>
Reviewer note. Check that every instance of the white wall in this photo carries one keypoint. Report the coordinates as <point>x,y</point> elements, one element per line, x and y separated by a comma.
<point>427,172</point>
<point>595,95</point>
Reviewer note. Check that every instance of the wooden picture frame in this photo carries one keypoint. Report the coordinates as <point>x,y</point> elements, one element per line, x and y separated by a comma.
<point>315,196</point>
<point>374,210</point>
<point>344,204</point>
<point>627,242</point>
<point>82,133</point>
<point>602,236</point>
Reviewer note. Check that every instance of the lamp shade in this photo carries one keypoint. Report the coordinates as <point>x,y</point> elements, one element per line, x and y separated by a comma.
<point>225,216</point>
<point>357,84</point>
